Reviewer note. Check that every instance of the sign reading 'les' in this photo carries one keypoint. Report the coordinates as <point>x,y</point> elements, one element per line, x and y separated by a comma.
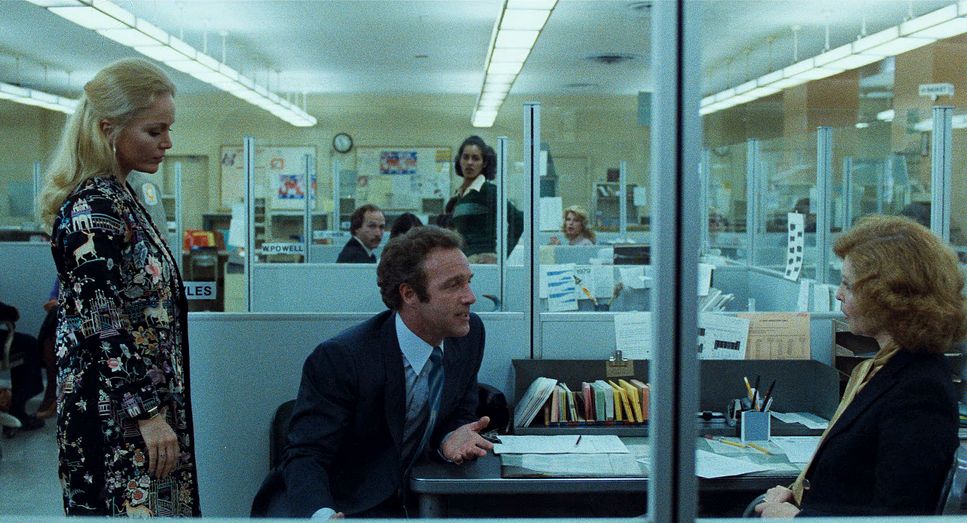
<point>201,290</point>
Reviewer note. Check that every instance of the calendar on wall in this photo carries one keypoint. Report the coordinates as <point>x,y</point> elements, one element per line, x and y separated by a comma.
<point>283,176</point>
<point>400,177</point>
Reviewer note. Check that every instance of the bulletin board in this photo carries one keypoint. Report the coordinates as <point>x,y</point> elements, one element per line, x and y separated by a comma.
<point>400,177</point>
<point>279,175</point>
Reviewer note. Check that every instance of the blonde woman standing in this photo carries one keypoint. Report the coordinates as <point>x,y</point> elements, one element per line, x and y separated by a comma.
<point>124,412</point>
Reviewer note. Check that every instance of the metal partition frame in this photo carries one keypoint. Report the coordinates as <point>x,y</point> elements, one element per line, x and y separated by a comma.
<point>940,171</point>
<point>753,170</point>
<point>248,151</point>
<point>502,173</point>
<point>676,144</point>
<point>705,181</point>
<point>309,164</point>
<point>336,168</point>
<point>824,192</point>
<point>179,218</point>
<point>623,199</point>
<point>532,154</point>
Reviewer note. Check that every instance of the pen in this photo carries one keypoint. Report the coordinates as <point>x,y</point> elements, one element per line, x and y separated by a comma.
<point>755,393</point>
<point>748,388</point>
<point>578,442</point>
<point>768,396</point>
<point>756,386</point>
<point>588,294</point>
<point>759,448</point>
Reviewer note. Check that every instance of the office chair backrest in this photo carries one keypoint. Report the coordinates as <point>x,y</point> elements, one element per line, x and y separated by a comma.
<point>952,496</point>
<point>278,432</point>
<point>8,360</point>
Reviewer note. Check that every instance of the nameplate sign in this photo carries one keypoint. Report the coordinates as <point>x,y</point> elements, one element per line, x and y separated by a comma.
<point>934,90</point>
<point>283,248</point>
<point>201,290</point>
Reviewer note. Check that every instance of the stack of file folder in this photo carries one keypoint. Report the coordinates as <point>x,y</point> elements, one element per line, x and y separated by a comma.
<point>601,402</point>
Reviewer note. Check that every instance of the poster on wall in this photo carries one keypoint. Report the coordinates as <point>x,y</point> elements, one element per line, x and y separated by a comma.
<point>280,175</point>
<point>398,177</point>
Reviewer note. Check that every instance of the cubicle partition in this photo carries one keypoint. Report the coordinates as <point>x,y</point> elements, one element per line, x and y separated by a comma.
<point>26,277</point>
<point>243,366</point>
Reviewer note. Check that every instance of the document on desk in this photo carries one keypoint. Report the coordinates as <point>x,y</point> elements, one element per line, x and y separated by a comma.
<point>560,445</point>
<point>777,335</point>
<point>711,465</point>
<point>811,421</point>
<point>570,465</point>
<point>799,449</point>
<point>632,334</point>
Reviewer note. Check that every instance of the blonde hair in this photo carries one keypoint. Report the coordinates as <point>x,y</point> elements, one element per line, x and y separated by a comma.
<point>582,216</point>
<point>117,93</point>
<point>908,283</point>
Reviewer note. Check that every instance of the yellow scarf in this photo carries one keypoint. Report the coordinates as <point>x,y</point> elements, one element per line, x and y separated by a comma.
<point>862,375</point>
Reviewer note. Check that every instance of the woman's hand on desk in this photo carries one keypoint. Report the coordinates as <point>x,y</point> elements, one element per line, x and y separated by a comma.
<point>776,510</point>
<point>466,442</point>
<point>778,494</point>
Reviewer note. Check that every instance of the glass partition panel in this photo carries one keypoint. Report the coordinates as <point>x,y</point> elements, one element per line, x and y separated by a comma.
<point>17,199</point>
<point>958,193</point>
<point>786,183</point>
<point>726,201</point>
<point>588,243</point>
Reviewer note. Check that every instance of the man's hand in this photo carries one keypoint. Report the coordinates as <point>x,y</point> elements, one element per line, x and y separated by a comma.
<point>466,443</point>
<point>776,510</point>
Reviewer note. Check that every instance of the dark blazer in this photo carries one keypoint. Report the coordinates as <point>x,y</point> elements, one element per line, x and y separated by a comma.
<point>354,252</point>
<point>346,432</point>
<point>890,451</point>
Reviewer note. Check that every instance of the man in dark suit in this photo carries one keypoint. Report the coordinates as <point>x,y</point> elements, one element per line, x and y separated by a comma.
<point>366,225</point>
<point>379,396</point>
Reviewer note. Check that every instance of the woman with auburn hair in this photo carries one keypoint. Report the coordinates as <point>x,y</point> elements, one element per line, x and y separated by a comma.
<point>892,439</point>
<point>575,227</point>
<point>124,428</point>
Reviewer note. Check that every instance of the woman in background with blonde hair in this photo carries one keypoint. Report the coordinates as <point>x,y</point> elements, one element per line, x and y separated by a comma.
<point>575,227</point>
<point>124,428</point>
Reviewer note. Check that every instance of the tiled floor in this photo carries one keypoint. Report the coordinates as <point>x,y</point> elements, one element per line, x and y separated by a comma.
<point>28,472</point>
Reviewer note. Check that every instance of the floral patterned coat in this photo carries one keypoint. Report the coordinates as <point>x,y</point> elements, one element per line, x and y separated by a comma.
<point>122,349</point>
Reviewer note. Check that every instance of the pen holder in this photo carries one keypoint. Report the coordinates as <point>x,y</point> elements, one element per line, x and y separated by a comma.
<point>755,425</point>
<point>602,307</point>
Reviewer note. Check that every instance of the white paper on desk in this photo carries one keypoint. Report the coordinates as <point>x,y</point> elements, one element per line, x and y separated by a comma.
<point>582,465</point>
<point>633,276</point>
<point>559,282</point>
<point>704,278</point>
<point>551,210</point>
<point>722,337</point>
<point>799,449</point>
<point>632,334</point>
<point>602,281</point>
<point>709,465</point>
<point>794,247</point>
<point>802,303</point>
<point>560,445</point>
<point>236,227</point>
<point>821,297</point>
<point>811,421</point>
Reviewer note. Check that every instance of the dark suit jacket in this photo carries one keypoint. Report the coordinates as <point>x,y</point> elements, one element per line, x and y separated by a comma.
<point>354,252</point>
<point>346,432</point>
<point>890,451</point>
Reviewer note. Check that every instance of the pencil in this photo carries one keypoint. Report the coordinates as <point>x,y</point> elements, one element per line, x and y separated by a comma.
<point>748,388</point>
<point>732,443</point>
<point>759,448</point>
<point>578,442</point>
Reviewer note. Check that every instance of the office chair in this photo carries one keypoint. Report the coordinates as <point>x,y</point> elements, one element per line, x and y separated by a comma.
<point>951,496</point>
<point>277,432</point>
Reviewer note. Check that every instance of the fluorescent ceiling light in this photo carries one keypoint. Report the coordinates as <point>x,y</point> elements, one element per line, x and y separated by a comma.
<point>37,98</point>
<point>515,33</point>
<point>88,17</point>
<point>912,34</point>
<point>529,19</point>
<point>886,116</point>
<point>115,23</point>
<point>129,37</point>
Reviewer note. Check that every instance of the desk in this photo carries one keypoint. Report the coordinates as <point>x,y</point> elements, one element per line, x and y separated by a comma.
<point>435,482</point>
